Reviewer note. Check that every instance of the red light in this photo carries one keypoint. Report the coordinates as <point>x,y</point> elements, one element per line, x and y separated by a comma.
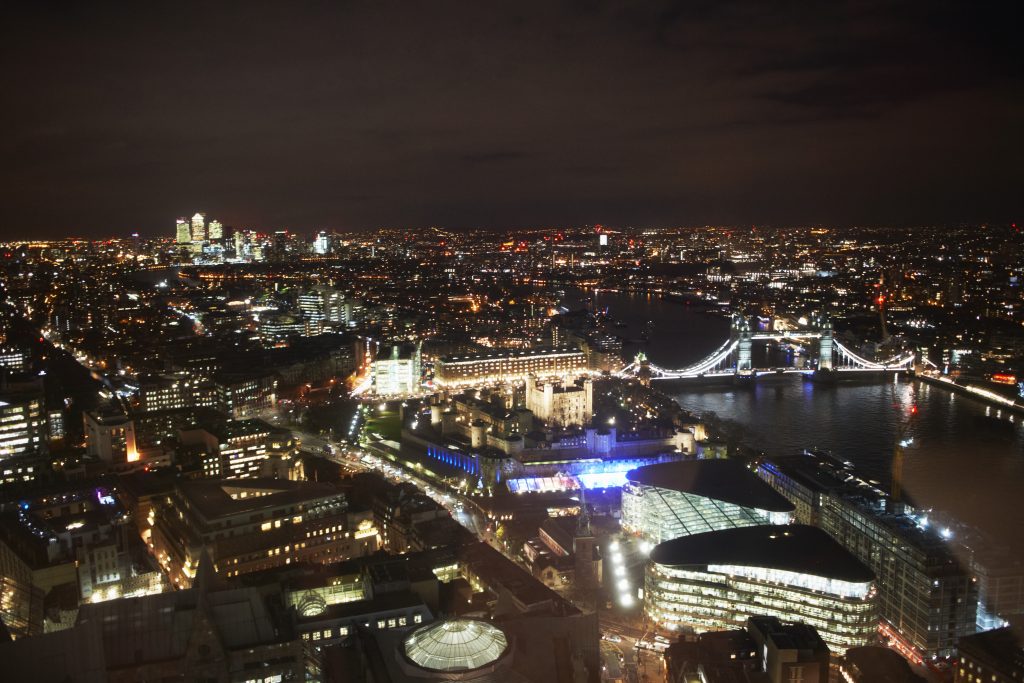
<point>913,410</point>
<point>880,300</point>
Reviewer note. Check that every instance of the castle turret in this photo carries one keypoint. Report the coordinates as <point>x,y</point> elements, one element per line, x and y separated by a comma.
<point>478,434</point>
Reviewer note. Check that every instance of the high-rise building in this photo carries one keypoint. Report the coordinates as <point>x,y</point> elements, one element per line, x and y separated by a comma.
<point>673,499</point>
<point>927,599</point>
<point>199,227</point>
<point>215,230</point>
<point>717,580</point>
<point>322,243</point>
<point>183,231</point>
<point>323,303</point>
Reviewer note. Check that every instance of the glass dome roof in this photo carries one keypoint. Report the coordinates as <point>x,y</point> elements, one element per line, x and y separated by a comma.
<point>455,645</point>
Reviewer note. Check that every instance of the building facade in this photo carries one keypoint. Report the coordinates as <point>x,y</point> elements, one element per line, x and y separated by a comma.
<point>927,599</point>
<point>510,366</point>
<point>23,428</point>
<point>561,404</point>
<point>254,524</point>
<point>397,371</point>
<point>670,500</point>
<point>717,580</point>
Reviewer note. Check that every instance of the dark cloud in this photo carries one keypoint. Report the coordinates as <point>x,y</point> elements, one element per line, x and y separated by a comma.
<point>355,115</point>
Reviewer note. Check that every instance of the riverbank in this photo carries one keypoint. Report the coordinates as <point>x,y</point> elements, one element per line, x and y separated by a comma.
<point>981,394</point>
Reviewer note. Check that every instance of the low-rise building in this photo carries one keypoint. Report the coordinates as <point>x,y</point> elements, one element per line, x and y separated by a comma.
<point>510,366</point>
<point>254,524</point>
<point>991,657</point>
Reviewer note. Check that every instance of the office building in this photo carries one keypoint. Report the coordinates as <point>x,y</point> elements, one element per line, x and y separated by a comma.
<point>23,429</point>
<point>215,231</point>
<point>276,327</point>
<point>14,359</point>
<point>110,437</point>
<point>717,580</point>
<point>253,524</point>
<point>321,244</point>
<point>199,227</point>
<point>174,391</point>
<point>511,366</point>
<point>396,370</point>
<point>243,395</point>
<point>244,449</point>
<point>927,599</point>
<point>183,231</point>
<point>669,500</point>
<point>324,303</point>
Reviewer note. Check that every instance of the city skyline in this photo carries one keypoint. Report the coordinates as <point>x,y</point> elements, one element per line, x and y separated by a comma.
<point>648,114</point>
<point>577,341</point>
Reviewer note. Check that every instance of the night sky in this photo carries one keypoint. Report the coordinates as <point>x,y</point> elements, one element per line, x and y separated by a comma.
<point>120,117</point>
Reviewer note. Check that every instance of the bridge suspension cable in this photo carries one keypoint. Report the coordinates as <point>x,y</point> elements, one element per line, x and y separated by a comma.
<point>700,367</point>
<point>898,362</point>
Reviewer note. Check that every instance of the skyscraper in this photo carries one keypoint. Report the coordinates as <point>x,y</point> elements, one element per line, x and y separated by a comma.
<point>183,233</point>
<point>322,243</point>
<point>216,230</point>
<point>199,227</point>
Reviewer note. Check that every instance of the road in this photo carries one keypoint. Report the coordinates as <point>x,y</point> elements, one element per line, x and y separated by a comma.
<point>630,664</point>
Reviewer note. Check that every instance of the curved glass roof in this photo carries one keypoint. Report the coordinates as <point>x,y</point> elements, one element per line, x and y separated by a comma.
<point>724,480</point>
<point>455,645</point>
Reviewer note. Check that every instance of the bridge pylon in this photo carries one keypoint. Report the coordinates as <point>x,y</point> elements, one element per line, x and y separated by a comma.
<point>741,333</point>
<point>826,349</point>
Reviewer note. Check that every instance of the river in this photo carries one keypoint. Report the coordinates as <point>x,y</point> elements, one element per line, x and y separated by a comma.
<point>966,458</point>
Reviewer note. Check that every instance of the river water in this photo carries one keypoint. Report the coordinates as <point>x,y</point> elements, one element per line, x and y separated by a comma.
<point>966,458</point>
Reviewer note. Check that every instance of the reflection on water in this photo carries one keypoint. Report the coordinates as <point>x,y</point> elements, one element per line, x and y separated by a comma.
<point>966,458</point>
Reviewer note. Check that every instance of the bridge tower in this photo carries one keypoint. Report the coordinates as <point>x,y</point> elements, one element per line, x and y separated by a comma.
<point>825,347</point>
<point>741,332</point>
<point>644,365</point>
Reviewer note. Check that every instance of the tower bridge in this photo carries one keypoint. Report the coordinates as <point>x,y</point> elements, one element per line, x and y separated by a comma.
<point>735,357</point>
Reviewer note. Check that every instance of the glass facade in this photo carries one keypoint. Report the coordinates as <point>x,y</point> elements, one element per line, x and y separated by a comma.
<point>456,645</point>
<point>927,600</point>
<point>660,515</point>
<point>715,597</point>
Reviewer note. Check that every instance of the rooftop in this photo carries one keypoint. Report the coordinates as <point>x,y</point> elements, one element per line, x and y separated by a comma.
<point>456,645</point>
<point>724,480</point>
<point>794,548</point>
<point>881,665</point>
<point>219,498</point>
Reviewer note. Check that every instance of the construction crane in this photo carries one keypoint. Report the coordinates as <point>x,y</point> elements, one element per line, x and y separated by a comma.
<point>880,300</point>
<point>902,441</point>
